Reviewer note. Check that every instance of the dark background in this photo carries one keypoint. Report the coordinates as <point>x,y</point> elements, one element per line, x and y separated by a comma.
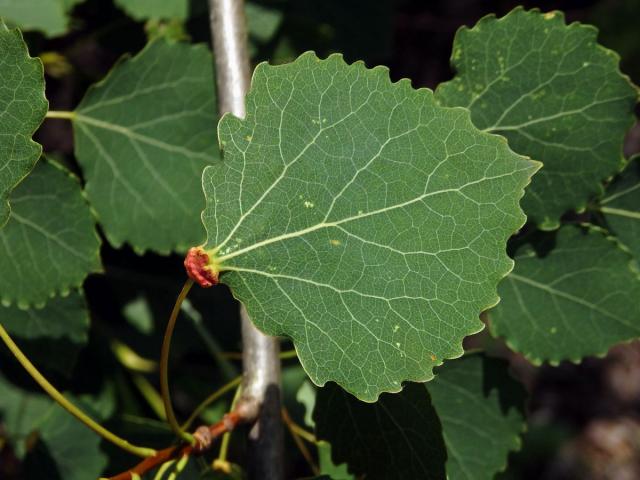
<point>584,420</point>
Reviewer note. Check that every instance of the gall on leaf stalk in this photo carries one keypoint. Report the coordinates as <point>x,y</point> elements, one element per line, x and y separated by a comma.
<point>200,267</point>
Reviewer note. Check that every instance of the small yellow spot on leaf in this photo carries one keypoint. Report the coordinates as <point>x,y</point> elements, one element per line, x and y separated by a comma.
<point>334,242</point>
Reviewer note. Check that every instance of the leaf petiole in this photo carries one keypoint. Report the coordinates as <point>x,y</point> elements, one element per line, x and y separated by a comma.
<point>164,365</point>
<point>210,399</point>
<point>61,114</point>
<point>66,404</point>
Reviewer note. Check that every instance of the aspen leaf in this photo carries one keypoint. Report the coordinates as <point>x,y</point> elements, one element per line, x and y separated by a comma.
<point>361,219</point>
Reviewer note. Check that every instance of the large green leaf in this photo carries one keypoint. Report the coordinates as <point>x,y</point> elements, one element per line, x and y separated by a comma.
<point>50,243</point>
<point>143,9</point>
<point>47,16</point>
<point>306,395</point>
<point>143,136</point>
<point>481,410</point>
<point>73,448</point>
<point>51,336</point>
<point>479,406</point>
<point>21,412</point>
<point>621,206</point>
<point>62,317</point>
<point>557,96</point>
<point>22,109</point>
<point>361,219</point>
<point>578,300</point>
<point>65,445</point>
<point>399,436</point>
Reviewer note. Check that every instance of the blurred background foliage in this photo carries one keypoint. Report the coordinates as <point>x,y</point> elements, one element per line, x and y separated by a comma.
<point>584,420</point>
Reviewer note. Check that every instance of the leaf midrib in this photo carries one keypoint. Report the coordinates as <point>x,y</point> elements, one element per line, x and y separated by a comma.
<point>133,135</point>
<point>337,223</point>
<point>572,298</point>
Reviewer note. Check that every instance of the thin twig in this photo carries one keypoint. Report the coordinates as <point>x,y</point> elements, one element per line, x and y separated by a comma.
<point>210,399</point>
<point>150,394</point>
<point>221,461</point>
<point>298,441</point>
<point>228,422</point>
<point>302,433</point>
<point>66,404</point>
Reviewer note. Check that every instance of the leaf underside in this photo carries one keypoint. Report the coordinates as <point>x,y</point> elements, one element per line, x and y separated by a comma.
<point>579,300</point>
<point>143,136</point>
<point>49,244</point>
<point>361,219</point>
<point>554,93</point>
<point>621,207</point>
<point>481,411</point>
<point>22,109</point>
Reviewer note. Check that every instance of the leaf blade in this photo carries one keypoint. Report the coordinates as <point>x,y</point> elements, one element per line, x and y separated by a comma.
<point>578,300</point>
<point>554,93</point>
<point>333,164</point>
<point>481,410</point>
<point>22,109</point>
<point>50,244</point>
<point>143,158</point>
<point>621,206</point>
<point>399,436</point>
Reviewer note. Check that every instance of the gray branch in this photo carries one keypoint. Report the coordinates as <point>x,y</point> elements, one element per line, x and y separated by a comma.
<point>260,399</point>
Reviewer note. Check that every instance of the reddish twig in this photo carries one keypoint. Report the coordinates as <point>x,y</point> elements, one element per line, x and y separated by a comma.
<point>204,437</point>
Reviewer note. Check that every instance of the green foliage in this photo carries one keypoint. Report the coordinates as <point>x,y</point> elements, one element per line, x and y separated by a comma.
<point>475,406</point>
<point>22,109</point>
<point>22,412</point>
<point>73,449</point>
<point>70,314</point>
<point>554,93</point>
<point>365,220</point>
<point>399,436</point>
<point>66,449</point>
<point>59,330</point>
<point>361,219</point>
<point>481,410</point>
<point>262,22</point>
<point>143,158</point>
<point>328,468</point>
<point>621,206</point>
<point>48,16</point>
<point>579,299</point>
<point>144,9</point>
<point>49,245</point>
